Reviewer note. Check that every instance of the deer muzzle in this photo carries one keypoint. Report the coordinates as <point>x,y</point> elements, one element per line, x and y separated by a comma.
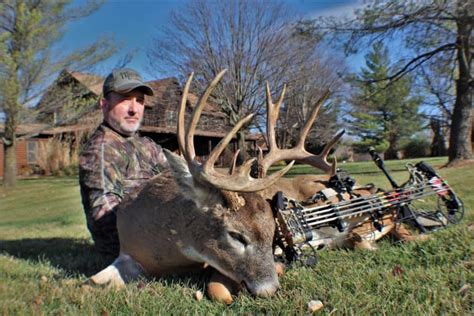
<point>265,289</point>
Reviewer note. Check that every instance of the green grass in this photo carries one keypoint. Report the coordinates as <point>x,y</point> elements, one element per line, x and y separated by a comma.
<point>46,255</point>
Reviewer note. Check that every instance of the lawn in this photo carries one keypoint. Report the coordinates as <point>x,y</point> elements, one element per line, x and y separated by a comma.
<point>46,255</point>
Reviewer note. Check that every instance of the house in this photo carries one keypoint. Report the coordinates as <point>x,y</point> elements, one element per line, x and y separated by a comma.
<point>69,110</point>
<point>31,138</point>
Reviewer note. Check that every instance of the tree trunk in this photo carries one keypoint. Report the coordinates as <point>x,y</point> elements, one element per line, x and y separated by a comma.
<point>242,146</point>
<point>461,124</point>
<point>392,151</point>
<point>11,107</point>
<point>9,149</point>
<point>438,145</point>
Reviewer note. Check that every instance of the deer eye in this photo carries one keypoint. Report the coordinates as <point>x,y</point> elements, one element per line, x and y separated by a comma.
<point>240,238</point>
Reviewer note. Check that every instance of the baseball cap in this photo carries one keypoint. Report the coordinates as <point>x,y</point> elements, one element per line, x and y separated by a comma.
<point>125,80</point>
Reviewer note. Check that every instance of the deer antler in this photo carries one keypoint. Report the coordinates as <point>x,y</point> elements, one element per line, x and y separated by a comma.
<point>240,180</point>
<point>298,152</point>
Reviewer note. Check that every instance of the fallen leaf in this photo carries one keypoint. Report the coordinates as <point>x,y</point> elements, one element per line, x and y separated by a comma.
<point>464,289</point>
<point>38,300</point>
<point>43,279</point>
<point>198,296</point>
<point>280,269</point>
<point>468,264</point>
<point>397,271</point>
<point>104,313</point>
<point>314,306</point>
<point>86,288</point>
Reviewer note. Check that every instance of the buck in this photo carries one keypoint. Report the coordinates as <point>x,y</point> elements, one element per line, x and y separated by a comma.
<point>192,216</point>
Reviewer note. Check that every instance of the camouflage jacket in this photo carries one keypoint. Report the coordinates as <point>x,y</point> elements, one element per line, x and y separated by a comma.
<point>112,166</point>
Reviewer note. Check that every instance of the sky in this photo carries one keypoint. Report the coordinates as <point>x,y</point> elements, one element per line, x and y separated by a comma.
<point>134,23</point>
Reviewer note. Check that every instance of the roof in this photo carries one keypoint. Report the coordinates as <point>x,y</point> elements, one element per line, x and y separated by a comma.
<point>159,88</point>
<point>44,129</point>
<point>163,85</point>
<point>210,108</point>
<point>92,82</point>
<point>167,130</point>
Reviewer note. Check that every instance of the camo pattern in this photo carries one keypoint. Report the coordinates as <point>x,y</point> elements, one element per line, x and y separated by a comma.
<point>111,167</point>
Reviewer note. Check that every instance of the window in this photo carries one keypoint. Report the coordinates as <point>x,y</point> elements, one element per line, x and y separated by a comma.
<point>31,151</point>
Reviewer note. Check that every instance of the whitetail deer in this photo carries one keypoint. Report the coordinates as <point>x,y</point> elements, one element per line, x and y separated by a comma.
<point>192,216</point>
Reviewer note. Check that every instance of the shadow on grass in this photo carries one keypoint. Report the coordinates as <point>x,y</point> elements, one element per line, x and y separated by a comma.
<point>74,256</point>
<point>78,257</point>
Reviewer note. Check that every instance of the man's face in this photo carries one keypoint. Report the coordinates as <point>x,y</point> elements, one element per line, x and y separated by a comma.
<point>124,112</point>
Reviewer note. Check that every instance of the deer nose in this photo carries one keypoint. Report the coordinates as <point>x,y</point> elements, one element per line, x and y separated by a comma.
<point>266,289</point>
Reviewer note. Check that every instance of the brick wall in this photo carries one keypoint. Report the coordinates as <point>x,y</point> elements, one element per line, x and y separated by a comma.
<point>21,156</point>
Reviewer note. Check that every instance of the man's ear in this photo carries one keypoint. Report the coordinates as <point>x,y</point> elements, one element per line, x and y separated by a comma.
<point>103,103</point>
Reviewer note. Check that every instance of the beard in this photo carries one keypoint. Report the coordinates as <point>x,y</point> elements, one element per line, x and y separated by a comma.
<point>123,126</point>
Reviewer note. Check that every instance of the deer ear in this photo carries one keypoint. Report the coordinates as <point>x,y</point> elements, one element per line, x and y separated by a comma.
<point>180,170</point>
<point>190,188</point>
<point>177,164</point>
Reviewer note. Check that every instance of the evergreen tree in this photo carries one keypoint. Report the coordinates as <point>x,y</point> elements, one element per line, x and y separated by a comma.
<point>438,36</point>
<point>383,116</point>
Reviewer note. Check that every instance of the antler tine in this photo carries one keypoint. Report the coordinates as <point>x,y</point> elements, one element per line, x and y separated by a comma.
<point>314,113</point>
<point>233,165</point>
<point>273,111</point>
<point>241,183</point>
<point>324,153</point>
<point>260,172</point>
<point>216,152</point>
<point>181,113</point>
<point>190,152</point>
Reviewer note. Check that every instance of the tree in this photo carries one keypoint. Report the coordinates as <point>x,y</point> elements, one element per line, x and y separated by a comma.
<point>252,39</point>
<point>29,59</point>
<point>382,116</point>
<point>430,29</point>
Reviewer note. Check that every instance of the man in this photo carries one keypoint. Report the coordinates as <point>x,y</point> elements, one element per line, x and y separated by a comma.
<point>116,161</point>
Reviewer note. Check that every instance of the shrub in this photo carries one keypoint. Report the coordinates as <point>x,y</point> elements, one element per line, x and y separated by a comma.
<point>416,148</point>
<point>55,157</point>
